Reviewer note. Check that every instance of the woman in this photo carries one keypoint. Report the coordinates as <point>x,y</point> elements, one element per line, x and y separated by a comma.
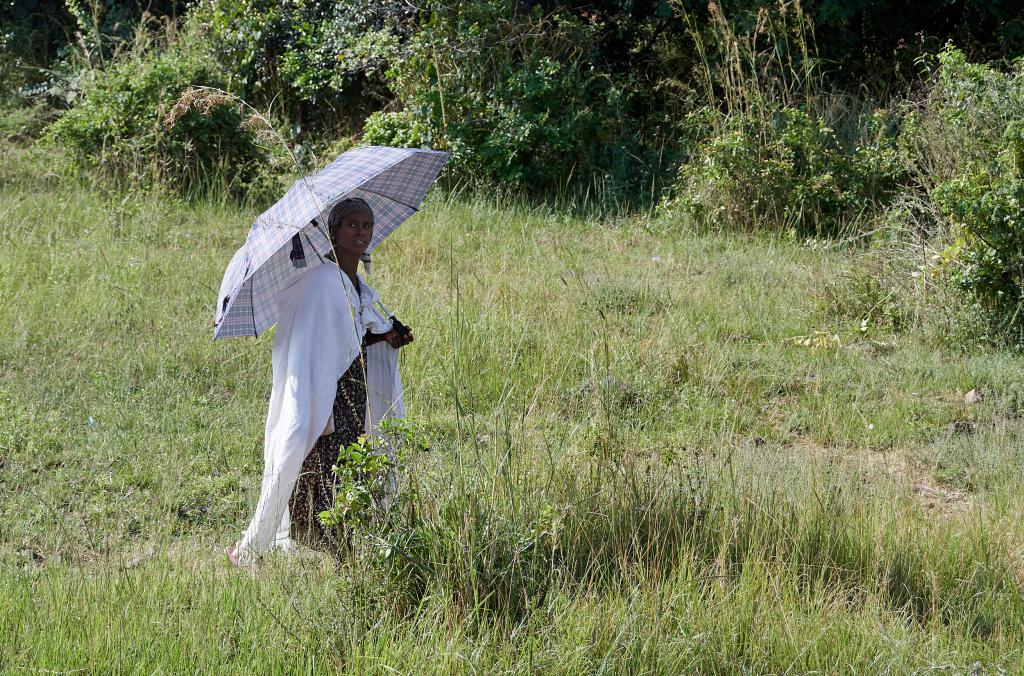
<point>335,378</point>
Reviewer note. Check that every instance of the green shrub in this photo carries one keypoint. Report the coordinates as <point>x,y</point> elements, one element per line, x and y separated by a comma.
<point>959,126</point>
<point>789,171</point>
<point>522,102</point>
<point>987,257</point>
<point>968,137</point>
<point>401,129</point>
<point>118,126</point>
<point>321,63</point>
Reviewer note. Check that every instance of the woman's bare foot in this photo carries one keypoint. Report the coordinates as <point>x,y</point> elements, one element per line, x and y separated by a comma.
<point>232,556</point>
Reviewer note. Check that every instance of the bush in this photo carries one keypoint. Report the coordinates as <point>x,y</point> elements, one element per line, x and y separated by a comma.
<point>968,137</point>
<point>321,62</point>
<point>118,127</point>
<point>987,257</point>
<point>788,171</point>
<point>767,153</point>
<point>401,129</point>
<point>958,127</point>
<point>522,101</point>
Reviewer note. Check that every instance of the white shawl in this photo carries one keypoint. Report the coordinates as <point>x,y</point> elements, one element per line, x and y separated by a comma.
<point>321,320</point>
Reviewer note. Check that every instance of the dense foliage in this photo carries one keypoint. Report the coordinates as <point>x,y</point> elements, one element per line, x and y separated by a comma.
<point>978,160</point>
<point>321,62</point>
<point>119,126</point>
<point>522,102</point>
<point>792,173</point>
<point>46,42</point>
<point>813,119</point>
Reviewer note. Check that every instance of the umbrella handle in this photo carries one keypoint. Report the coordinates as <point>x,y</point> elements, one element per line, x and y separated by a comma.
<point>399,328</point>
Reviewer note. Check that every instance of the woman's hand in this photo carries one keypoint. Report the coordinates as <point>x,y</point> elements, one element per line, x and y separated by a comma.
<point>396,339</point>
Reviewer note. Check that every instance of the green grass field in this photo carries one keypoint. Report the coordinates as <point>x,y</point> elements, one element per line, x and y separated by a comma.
<point>634,466</point>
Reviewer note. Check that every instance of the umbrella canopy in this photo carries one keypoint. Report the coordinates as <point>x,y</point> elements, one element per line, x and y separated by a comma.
<point>290,235</point>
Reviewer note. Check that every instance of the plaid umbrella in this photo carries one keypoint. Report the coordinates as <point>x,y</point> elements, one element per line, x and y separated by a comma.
<point>291,234</point>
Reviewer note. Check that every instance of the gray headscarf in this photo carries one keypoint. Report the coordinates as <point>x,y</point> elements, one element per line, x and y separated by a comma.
<point>352,205</point>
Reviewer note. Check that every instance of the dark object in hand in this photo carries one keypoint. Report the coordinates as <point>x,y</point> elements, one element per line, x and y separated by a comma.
<point>399,328</point>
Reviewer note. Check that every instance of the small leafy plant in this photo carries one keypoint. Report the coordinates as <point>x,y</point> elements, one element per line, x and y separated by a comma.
<point>362,472</point>
<point>367,474</point>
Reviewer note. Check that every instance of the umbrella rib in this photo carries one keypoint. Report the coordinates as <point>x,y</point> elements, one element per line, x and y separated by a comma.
<point>252,306</point>
<point>310,242</point>
<point>373,192</point>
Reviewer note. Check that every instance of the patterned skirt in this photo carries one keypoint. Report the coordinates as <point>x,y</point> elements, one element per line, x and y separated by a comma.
<point>315,489</point>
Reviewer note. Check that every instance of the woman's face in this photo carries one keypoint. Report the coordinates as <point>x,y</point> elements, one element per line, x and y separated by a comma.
<point>353,234</point>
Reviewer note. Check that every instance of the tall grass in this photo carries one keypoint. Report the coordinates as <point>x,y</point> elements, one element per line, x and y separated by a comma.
<point>632,465</point>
